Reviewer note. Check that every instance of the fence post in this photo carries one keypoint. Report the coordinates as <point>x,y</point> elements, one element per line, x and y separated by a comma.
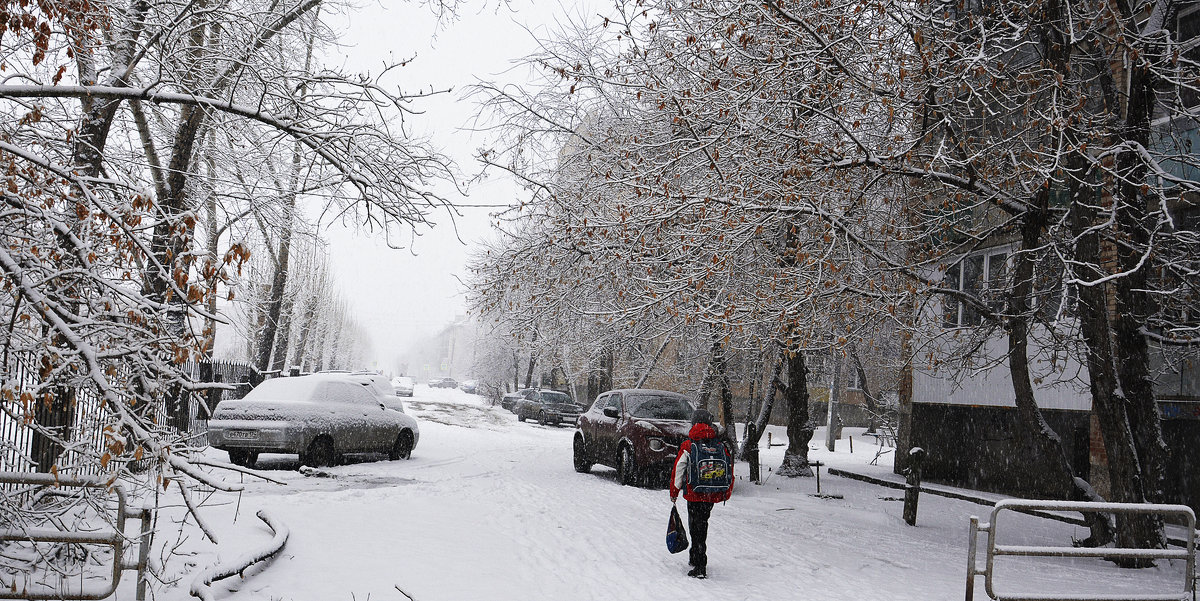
<point>972,544</point>
<point>146,538</point>
<point>912,488</point>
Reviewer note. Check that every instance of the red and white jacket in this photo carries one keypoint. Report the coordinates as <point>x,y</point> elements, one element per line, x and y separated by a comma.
<point>679,472</point>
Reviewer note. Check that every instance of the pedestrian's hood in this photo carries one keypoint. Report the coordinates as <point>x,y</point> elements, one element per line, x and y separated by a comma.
<point>702,432</point>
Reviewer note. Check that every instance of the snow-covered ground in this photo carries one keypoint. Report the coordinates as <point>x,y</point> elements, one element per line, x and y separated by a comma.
<point>489,508</point>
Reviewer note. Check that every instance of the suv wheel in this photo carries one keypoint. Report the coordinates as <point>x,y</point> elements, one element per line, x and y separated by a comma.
<point>542,418</point>
<point>583,463</point>
<point>627,470</point>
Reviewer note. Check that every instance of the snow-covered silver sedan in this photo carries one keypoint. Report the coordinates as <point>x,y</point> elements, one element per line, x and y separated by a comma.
<point>320,417</point>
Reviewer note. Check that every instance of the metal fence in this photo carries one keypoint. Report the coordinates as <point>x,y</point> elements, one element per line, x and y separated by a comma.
<point>994,550</point>
<point>17,438</point>
<point>116,538</point>
<point>84,429</point>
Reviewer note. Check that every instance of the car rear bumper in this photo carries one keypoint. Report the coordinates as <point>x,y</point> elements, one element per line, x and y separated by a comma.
<point>278,436</point>
<point>571,418</point>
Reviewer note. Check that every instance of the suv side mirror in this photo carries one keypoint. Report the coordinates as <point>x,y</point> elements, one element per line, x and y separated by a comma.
<point>610,411</point>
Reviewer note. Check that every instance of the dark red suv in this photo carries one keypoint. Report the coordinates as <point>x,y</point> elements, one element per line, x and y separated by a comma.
<point>636,431</point>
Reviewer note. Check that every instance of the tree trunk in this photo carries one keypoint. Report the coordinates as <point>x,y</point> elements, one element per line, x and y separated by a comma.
<point>720,367</point>
<point>799,430</point>
<point>864,386</point>
<point>764,412</point>
<point>529,370</point>
<point>210,209</point>
<point>1134,304</point>
<point>1055,467</point>
<point>283,336</point>
<point>55,413</point>
<point>87,157</point>
<point>517,371</point>
<point>1108,402</point>
<point>309,324</point>
<point>704,395</point>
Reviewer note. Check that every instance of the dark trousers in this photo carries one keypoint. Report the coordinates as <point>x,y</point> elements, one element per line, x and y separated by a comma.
<point>698,513</point>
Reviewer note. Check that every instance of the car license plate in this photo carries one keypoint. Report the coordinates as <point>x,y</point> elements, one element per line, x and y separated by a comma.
<point>241,434</point>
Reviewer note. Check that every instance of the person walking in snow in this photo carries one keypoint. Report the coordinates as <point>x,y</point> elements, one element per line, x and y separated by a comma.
<point>704,473</point>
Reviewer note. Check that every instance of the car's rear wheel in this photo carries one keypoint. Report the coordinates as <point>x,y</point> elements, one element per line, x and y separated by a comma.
<point>583,463</point>
<point>243,457</point>
<point>320,453</point>
<point>627,469</point>
<point>402,448</point>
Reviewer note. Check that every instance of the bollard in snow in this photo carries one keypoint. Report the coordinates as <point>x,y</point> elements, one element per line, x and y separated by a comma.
<point>912,487</point>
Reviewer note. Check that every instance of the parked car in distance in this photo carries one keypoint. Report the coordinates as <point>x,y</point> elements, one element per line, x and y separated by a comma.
<point>403,385</point>
<point>320,417</point>
<point>443,383</point>
<point>509,401</point>
<point>548,407</point>
<point>637,431</point>
<point>382,388</point>
<point>468,386</point>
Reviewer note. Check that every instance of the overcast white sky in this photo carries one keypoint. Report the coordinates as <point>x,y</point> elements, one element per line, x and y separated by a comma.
<point>401,296</point>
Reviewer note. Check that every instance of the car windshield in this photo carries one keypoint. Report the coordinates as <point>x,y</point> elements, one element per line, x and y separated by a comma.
<point>379,385</point>
<point>283,389</point>
<point>404,381</point>
<point>555,397</point>
<point>659,407</point>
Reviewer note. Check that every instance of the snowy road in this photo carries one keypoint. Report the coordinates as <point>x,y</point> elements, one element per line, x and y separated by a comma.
<point>489,508</point>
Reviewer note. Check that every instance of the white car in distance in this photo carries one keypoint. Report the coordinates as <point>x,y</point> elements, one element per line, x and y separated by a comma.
<point>403,385</point>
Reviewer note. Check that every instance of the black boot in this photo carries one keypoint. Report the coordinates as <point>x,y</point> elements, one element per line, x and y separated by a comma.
<point>697,573</point>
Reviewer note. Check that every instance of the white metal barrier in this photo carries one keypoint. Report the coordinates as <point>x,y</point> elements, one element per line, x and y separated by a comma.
<point>116,539</point>
<point>994,550</point>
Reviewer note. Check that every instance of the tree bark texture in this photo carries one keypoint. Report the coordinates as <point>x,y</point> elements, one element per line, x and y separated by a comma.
<point>1134,304</point>
<point>1108,402</point>
<point>799,429</point>
<point>1049,461</point>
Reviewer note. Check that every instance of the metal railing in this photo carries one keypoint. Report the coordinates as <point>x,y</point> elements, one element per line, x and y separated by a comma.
<point>115,538</point>
<point>1188,554</point>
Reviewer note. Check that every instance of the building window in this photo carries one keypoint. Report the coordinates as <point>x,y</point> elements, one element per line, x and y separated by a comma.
<point>980,275</point>
<point>853,382</point>
<point>1187,30</point>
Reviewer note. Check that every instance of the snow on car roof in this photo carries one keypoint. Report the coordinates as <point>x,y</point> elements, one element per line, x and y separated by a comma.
<point>296,388</point>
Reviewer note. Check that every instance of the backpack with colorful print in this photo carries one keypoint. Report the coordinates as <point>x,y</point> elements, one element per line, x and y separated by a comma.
<point>709,472</point>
